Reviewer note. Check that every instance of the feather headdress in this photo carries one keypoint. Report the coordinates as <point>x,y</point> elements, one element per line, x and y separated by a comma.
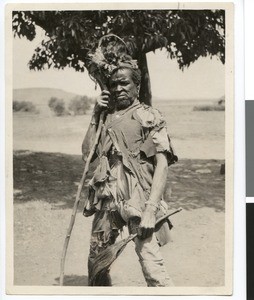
<point>108,56</point>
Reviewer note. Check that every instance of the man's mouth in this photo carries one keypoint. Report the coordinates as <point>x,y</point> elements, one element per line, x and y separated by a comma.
<point>121,97</point>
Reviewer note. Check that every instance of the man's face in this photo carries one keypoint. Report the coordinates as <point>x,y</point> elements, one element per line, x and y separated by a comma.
<point>123,89</point>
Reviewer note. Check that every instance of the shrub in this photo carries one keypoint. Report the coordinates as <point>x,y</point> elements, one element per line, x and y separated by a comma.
<point>79,105</point>
<point>57,106</point>
<point>209,108</point>
<point>24,106</point>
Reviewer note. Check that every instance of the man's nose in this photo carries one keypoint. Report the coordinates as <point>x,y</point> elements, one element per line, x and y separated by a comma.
<point>118,87</point>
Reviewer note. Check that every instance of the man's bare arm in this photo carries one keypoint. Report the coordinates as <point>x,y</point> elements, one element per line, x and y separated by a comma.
<point>159,181</point>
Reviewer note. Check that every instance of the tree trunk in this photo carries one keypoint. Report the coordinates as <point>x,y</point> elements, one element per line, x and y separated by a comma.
<point>145,94</point>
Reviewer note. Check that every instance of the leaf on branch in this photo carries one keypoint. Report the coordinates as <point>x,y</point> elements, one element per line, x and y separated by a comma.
<point>195,33</point>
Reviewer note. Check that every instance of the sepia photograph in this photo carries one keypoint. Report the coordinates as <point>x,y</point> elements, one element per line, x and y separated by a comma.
<point>119,133</point>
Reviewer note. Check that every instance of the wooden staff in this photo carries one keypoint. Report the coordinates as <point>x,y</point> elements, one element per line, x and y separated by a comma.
<point>77,200</point>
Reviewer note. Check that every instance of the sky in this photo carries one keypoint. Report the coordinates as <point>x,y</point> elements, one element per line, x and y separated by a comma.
<point>204,79</point>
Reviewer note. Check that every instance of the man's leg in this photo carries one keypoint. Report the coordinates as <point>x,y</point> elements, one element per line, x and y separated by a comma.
<point>150,258</point>
<point>152,262</point>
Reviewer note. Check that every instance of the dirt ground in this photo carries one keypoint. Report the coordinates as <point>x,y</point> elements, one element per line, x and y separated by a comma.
<point>45,185</point>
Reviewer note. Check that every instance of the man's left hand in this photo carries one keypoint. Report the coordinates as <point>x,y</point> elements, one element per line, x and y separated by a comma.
<point>147,225</point>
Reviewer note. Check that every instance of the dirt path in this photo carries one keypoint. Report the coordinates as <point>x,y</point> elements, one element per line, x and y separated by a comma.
<point>45,185</point>
<point>193,258</point>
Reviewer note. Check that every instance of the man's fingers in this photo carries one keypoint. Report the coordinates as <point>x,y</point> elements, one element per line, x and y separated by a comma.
<point>144,233</point>
<point>103,103</point>
<point>105,92</point>
<point>105,97</point>
<point>149,232</point>
<point>139,232</point>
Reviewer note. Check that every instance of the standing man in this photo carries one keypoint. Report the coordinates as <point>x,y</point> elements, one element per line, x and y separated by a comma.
<point>127,187</point>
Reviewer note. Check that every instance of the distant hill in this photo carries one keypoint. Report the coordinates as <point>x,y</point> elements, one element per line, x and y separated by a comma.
<point>40,96</point>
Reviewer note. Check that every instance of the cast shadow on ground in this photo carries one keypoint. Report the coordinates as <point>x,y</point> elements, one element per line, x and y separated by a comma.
<point>196,184</point>
<point>73,280</point>
<point>54,177</point>
<point>49,177</point>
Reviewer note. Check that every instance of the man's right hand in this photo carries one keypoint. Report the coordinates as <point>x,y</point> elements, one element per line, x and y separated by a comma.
<point>102,101</point>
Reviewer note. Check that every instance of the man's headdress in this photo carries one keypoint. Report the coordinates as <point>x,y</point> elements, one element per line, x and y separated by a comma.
<point>109,55</point>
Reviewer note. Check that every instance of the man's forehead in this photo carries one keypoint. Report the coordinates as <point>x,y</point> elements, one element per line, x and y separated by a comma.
<point>121,74</point>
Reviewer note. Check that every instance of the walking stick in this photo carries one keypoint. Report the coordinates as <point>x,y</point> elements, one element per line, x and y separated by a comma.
<point>105,258</point>
<point>77,200</point>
